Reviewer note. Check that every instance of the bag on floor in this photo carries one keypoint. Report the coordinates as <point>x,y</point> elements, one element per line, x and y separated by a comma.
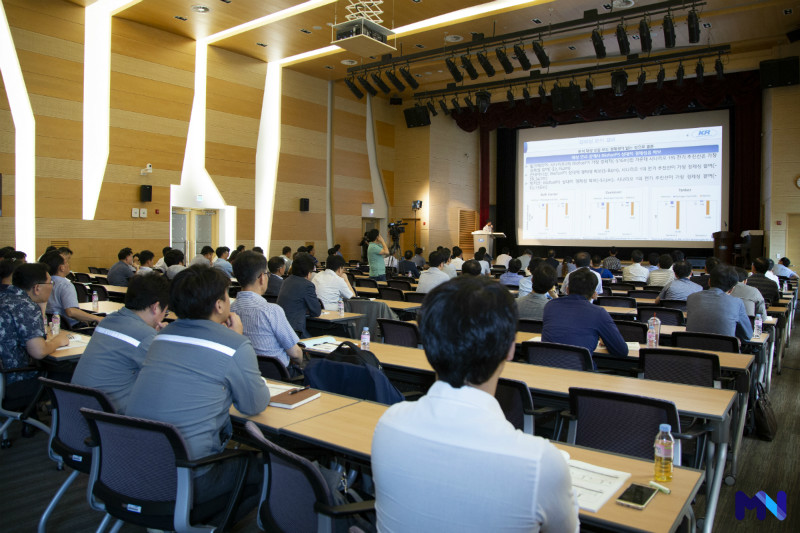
<point>764,416</point>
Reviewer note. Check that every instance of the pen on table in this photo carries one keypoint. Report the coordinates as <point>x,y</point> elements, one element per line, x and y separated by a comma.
<point>662,488</point>
<point>295,391</point>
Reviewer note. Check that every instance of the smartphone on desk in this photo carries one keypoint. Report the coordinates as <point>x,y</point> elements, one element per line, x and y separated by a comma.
<point>637,496</point>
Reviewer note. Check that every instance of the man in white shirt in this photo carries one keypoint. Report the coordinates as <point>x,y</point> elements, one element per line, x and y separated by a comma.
<point>451,461</point>
<point>503,258</point>
<point>782,268</point>
<point>583,260</point>
<point>161,263</point>
<point>145,262</point>
<point>332,283</point>
<point>204,258</point>
<point>635,272</point>
<point>457,260</point>
<point>448,267</point>
<point>435,275</point>
<point>480,257</point>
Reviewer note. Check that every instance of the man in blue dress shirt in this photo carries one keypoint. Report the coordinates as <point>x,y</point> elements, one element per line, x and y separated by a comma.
<point>715,310</point>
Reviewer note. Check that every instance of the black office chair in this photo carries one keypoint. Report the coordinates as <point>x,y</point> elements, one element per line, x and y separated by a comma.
<point>94,270</point>
<point>616,301</point>
<point>680,366</point>
<point>366,283</point>
<point>351,278</point>
<point>705,341</point>
<point>667,316</point>
<point>516,402</point>
<point>294,495</point>
<point>644,294</point>
<point>403,285</point>
<point>399,333</point>
<point>529,325</point>
<point>83,295</point>
<point>557,355</point>
<point>69,432</point>
<point>142,473</point>
<point>415,297</point>
<point>606,291</point>
<point>271,298</point>
<point>15,406</point>
<point>82,277</point>
<point>637,283</point>
<point>389,293</point>
<point>653,288</point>
<point>673,304</point>
<point>272,368</point>
<point>701,280</point>
<point>623,287</point>
<point>103,271</point>
<point>632,331</point>
<point>102,293</point>
<point>101,280</point>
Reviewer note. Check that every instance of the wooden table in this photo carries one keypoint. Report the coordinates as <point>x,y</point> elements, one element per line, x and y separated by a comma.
<point>106,307</point>
<point>68,353</point>
<point>273,419</point>
<point>334,316</point>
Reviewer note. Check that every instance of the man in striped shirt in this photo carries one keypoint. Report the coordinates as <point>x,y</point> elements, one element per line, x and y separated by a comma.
<point>663,274</point>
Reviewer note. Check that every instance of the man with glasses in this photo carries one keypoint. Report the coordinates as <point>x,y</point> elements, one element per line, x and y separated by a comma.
<point>64,298</point>
<point>115,354</point>
<point>264,323</point>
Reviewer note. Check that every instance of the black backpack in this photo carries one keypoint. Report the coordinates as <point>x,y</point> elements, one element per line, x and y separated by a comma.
<point>348,352</point>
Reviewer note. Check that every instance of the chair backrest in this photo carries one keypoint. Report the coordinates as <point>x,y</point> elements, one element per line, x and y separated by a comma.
<point>515,399</point>
<point>271,298</point>
<point>632,331</point>
<point>415,297</point>
<point>103,271</point>
<point>637,283</point>
<point>674,304</point>
<point>701,280</point>
<point>272,368</point>
<point>401,284</point>
<point>83,295</point>
<point>399,333</point>
<point>69,428</point>
<point>389,293</point>
<point>607,291</point>
<point>102,280</point>
<point>667,316</point>
<point>351,278</point>
<point>619,423</point>
<point>654,288</point>
<point>360,282</point>
<point>705,341</point>
<point>557,355</point>
<point>529,325</point>
<point>292,485</point>
<point>357,381</point>
<point>680,366</point>
<point>624,287</point>
<point>82,277</point>
<point>94,270</point>
<point>616,301</point>
<point>644,294</point>
<point>102,293</point>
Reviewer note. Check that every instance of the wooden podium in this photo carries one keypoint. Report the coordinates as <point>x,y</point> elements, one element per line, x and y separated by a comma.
<point>723,246</point>
<point>486,239</point>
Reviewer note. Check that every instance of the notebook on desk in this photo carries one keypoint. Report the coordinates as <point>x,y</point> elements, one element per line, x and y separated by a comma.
<point>289,397</point>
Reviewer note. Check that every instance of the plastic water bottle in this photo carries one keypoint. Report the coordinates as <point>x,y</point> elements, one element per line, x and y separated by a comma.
<point>664,447</point>
<point>785,286</point>
<point>340,307</point>
<point>365,338</point>
<point>95,301</point>
<point>653,331</point>
<point>55,325</point>
<point>758,326</point>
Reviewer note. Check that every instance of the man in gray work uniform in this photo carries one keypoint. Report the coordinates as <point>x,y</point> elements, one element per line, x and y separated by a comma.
<point>196,368</point>
<point>116,351</point>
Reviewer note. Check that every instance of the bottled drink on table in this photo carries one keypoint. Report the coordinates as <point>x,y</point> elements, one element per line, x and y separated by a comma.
<point>340,307</point>
<point>758,326</point>
<point>653,331</point>
<point>365,338</point>
<point>664,448</point>
<point>55,326</point>
<point>95,301</point>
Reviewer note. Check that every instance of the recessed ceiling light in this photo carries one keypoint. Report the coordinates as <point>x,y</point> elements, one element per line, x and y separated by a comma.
<point>439,71</point>
<point>622,4</point>
<point>349,62</point>
<point>416,1</point>
<point>571,47</point>
<point>420,45</point>
<point>262,44</point>
<point>329,67</point>
<point>225,1</point>
<point>635,37</point>
<point>418,75</point>
<point>316,28</point>
<point>536,21</point>
<point>706,25</point>
<point>787,11</point>
<point>607,7</point>
<point>181,18</point>
<point>200,9</point>
<point>429,73</point>
<point>373,57</point>
<point>453,38</point>
<point>305,31</point>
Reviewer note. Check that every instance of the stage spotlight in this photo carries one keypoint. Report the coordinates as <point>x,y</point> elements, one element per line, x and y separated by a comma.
<point>669,31</point>
<point>718,67</point>
<point>522,57</point>
<point>640,81</point>
<point>622,40</point>
<point>542,93</point>
<point>451,66</point>
<point>660,78</point>
<point>376,79</point>
<point>396,82</point>
<point>484,99</point>
<point>355,90</point>
<point>541,55</point>
<point>486,65</point>
<point>619,82</point>
<point>526,95</point>
<point>367,86</point>
<point>443,106</point>
<point>679,75</point>
<point>409,78</point>
<point>470,104</point>
<point>597,42</point>
<point>456,105</point>
<point>503,59</point>
<point>510,97</point>
<point>469,67</point>
<point>432,108</point>
<point>699,70</point>
<point>693,21</point>
<point>589,87</point>
<point>645,38</point>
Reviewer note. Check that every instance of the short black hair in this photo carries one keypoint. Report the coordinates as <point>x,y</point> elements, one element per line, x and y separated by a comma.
<point>220,251</point>
<point>479,255</point>
<point>258,250</point>
<point>457,251</point>
<point>303,264</point>
<point>146,289</point>
<point>723,277</point>
<point>637,256</point>
<point>612,250</point>
<point>760,265</point>
<point>309,248</point>
<point>372,234</point>
<point>27,275</point>
<point>335,262</point>
<point>331,251</point>
<point>583,259</point>
<point>514,265</point>
<point>125,252</point>
<point>712,263</point>
<point>551,253</point>
<point>65,250</point>
<point>544,278</point>
<point>286,250</point>
<point>248,266</point>
<point>664,261</point>
<point>467,326</point>
<point>652,258</point>
<point>445,254</point>
<point>274,264</point>
<point>408,255</point>
<point>584,282</point>
<point>302,249</point>
<point>195,291</point>
<point>206,250</point>
<point>505,250</point>
<point>173,257</point>
<point>145,256</point>
<point>596,260</point>
<point>677,255</point>
<point>418,251</point>
<point>164,250</point>
<point>435,259</point>
<point>53,259</point>
<point>535,262</point>
<point>785,261</point>
<point>471,268</point>
<point>741,273</point>
<point>682,269</point>
<point>17,255</point>
<point>8,266</point>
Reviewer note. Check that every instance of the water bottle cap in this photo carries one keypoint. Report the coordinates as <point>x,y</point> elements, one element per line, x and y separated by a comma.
<point>665,428</point>
<point>365,328</point>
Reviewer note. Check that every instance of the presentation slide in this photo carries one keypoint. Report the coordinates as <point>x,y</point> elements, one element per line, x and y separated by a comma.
<point>658,187</point>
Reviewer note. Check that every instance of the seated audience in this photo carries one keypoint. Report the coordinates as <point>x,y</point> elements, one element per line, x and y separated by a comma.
<point>525,259</point>
<point>752,298</point>
<point>298,296</point>
<point>418,259</point>
<point>205,257</point>
<point>435,275</point>
<point>239,249</point>
<point>652,258</point>
<point>146,258</point>
<point>782,268</point>
<point>611,262</point>
<point>115,354</point>
<point>286,255</point>
<point>391,261</point>
<point>582,261</point>
<point>664,274</point>
<point>264,323</point>
<point>121,271</point>
<point>63,298</point>
<point>222,262</point>
<point>512,276</point>
<point>480,257</point>
<point>503,258</point>
<point>161,264</point>
<point>635,272</point>
<point>175,263</point>
<point>710,264</point>
<point>471,268</point>
<point>448,267</point>
<point>681,287</point>
<point>551,260</point>
<point>575,320</point>
<point>451,461</point>
<point>566,266</point>
<point>310,250</point>
<point>332,283</point>
<point>769,289</point>
<point>458,260</point>
<point>770,274</point>
<point>597,266</point>
<point>407,267</point>
<point>532,305</point>
<point>7,268</point>
<point>715,310</point>
<point>277,268</point>
<point>195,370</point>
<point>677,255</point>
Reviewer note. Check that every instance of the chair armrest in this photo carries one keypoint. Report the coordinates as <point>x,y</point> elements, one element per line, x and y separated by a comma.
<point>18,369</point>
<point>90,442</point>
<point>412,396</point>
<point>345,510</point>
<point>211,459</point>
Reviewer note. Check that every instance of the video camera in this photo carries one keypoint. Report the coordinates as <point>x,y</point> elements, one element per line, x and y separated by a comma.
<point>396,228</point>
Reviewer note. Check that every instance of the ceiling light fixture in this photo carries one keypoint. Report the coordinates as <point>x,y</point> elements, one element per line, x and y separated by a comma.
<point>456,105</point>
<point>589,87</point>
<point>669,31</point>
<point>355,90</point>
<point>486,65</point>
<point>541,55</point>
<point>443,106</point>
<point>693,21</point>
<point>597,42</point>
<point>396,82</point>
<point>640,81</point>
<point>508,68</point>
<point>522,57</point>
<point>660,78</point>
<point>469,67</point>
<point>376,79</point>
<point>511,100</point>
<point>484,99</point>
<point>622,40</point>
<point>719,68</point>
<point>367,85</point>
<point>679,75</point>
<point>644,36</point>
<point>526,95</point>
<point>200,9</point>
<point>470,104</point>
<point>408,77</point>
<point>699,70</point>
<point>619,82</point>
<point>542,93</point>
<point>432,109</point>
<point>451,66</point>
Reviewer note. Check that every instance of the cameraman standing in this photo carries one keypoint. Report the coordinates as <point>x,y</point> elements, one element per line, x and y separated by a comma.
<point>375,252</point>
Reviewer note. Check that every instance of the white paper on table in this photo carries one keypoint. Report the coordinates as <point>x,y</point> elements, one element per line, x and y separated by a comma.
<point>75,341</point>
<point>594,485</point>
<point>633,346</point>
<point>275,388</point>
<point>308,343</point>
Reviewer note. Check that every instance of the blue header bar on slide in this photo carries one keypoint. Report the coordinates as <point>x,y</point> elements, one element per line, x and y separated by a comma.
<point>626,154</point>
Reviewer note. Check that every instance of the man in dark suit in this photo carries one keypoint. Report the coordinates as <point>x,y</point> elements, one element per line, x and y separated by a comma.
<point>276,266</point>
<point>715,310</point>
<point>407,265</point>
<point>297,296</point>
<point>759,280</point>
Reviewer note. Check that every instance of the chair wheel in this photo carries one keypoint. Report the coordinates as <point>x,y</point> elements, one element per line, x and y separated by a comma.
<point>700,523</point>
<point>730,480</point>
<point>60,467</point>
<point>5,444</point>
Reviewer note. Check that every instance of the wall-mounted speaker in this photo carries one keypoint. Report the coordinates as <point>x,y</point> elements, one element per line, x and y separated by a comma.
<point>780,72</point>
<point>417,116</point>
<point>146,193</point>
<point>304,204</point>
